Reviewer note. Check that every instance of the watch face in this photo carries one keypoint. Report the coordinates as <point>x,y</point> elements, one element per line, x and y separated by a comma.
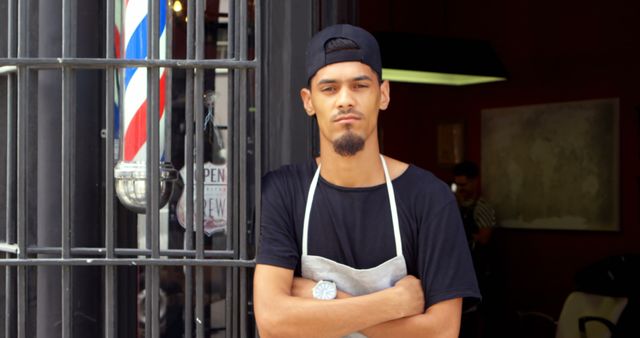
<point>324,290</point>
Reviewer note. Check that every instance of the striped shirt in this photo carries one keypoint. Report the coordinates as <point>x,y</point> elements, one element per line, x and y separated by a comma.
<point>484,215</point>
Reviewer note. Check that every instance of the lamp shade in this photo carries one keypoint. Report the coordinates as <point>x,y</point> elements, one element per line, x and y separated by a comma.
<point>409,57</point>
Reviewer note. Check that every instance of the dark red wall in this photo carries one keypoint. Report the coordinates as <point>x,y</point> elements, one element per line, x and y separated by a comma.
<point>555,51</point>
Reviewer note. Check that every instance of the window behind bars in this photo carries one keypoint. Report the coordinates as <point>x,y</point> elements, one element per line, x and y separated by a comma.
<point>78,260</point>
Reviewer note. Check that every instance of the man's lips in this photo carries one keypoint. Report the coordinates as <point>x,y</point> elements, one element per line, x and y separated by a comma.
<point>347,118</point>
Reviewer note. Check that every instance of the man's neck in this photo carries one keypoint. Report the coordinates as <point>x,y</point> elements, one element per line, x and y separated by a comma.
<point>364,169</point>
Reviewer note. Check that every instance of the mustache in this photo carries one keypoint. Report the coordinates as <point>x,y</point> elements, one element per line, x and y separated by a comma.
<point>342,112</point>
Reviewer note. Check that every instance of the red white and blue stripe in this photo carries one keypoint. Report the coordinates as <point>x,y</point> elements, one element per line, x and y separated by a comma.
<point>135,80</point>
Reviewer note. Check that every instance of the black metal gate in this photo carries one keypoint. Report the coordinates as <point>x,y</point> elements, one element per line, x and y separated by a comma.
<point>102,277</point>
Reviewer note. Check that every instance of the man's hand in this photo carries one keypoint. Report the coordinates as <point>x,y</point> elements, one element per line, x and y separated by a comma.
<point>409,299</point>
<point>410,296</point>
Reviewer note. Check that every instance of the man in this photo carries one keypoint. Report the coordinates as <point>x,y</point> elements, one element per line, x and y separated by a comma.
<point>477,214</point>
<point>354,243</point>
<point>479,221</point>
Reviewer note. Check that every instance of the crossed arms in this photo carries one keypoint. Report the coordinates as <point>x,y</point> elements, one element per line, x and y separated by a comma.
<point>284,308</point>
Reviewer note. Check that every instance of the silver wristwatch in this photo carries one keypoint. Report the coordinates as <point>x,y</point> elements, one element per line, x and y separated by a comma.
<point>325,290</point>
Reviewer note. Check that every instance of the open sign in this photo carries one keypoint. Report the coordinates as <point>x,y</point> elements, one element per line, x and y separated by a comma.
<point>215,199</point>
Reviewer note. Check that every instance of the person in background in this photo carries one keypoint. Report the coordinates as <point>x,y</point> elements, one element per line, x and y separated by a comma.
<point>477,214</point>
<point>478,217</point>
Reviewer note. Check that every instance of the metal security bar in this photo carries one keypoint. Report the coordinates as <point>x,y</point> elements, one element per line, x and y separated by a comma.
<point>22,254</point>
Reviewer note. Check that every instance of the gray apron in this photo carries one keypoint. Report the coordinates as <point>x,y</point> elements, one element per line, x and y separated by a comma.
<point>355,282</point>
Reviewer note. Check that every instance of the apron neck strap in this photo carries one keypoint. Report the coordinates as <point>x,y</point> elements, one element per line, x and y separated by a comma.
<point>307,210</point>
<point>392,204</point>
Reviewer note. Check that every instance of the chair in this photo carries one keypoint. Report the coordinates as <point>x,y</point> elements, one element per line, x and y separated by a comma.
<point>586,315</point>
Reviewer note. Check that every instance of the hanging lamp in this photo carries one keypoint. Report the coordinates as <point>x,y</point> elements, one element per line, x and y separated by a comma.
<point>414,58</point>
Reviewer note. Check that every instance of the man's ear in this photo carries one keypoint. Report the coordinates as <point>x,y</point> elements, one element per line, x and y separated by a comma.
<point>384,95</point>
<point>305,95</point>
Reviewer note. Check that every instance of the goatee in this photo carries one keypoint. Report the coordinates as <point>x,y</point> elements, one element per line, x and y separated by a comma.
<point>348,144</point>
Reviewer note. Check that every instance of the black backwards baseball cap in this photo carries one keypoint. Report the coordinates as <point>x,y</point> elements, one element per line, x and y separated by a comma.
<point>368,52</point>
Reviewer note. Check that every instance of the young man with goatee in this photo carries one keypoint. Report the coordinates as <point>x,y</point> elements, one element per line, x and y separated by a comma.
<point>355,243</point>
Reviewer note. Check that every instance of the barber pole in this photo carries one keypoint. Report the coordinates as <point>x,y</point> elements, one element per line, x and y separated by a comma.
<point>130,172</point>
<point>135,80</point>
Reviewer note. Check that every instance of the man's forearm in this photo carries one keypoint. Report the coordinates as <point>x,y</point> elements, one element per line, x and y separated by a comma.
<point>441,320</point>
<point>291,316</point>
<point>284,309</point>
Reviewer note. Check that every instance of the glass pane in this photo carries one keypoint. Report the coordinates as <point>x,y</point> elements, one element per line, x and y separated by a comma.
<point>87,193</point>
<point>47,308</point>
<point>217,29</point>
<point>252,164</point>
<point>129,282</point>
<point>215,124</point>
<point>216,19</point>
<point>87,301</point>
<point>3,154</point>
<point>3,296</point>
<point>4,29</point>
<point>172,302</point>
<point>251,30</point>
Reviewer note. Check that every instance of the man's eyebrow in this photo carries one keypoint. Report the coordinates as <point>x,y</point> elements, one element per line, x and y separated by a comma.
<point>357,78</point>
<point>325,81</point>
<point>362,78</point>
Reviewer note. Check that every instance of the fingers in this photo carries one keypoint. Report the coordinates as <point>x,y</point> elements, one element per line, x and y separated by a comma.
<point>411,296</point>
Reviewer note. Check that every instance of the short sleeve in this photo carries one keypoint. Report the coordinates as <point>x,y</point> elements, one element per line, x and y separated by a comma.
<point>444,261</point>
<point>277,245</point>
<point>484,215</point>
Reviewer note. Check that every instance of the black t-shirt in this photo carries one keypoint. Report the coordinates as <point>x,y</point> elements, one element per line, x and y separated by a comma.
<point>353,226</point>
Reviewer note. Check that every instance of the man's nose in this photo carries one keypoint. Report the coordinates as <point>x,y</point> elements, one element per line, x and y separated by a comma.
<point>345,98</point>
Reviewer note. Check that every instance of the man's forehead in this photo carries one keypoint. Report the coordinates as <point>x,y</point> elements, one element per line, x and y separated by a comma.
<point>341,71</point>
